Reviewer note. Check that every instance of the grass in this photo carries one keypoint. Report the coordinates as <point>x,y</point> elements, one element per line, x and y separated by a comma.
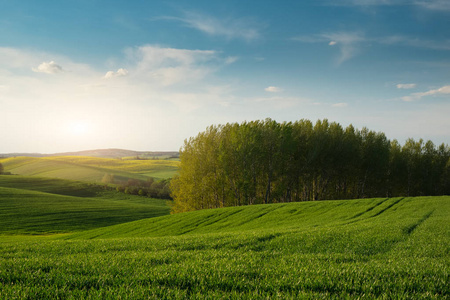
<point>372,248</point>
<point>90,169</point>
<point>30,205</point>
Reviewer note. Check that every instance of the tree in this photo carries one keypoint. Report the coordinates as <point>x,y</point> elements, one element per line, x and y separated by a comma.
<point>267,162</point>
<point>397,174</point>
<point>412,151</point>
<point>108,178</point>
<point>1,169</point>
<point>374,163</point>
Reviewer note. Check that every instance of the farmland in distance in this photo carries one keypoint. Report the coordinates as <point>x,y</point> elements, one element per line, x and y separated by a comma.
<point>90,169</point>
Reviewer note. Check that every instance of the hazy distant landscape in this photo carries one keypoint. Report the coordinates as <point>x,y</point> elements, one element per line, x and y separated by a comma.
<point>103,153</point>
<point>225,149</point>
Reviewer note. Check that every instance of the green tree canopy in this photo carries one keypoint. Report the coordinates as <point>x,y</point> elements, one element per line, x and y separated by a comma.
<point>266,162</point>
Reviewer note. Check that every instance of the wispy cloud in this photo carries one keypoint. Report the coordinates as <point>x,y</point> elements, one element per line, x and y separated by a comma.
<point>406,85</point>
<point>273,89</point>
<point>169,66</point>
<point>413,42</point>
<point>278,102</point>
<point>350,43</point>
<point>341,104</point>
<point>231,28</point>
<point>445,90</point>
<point>347,42</point>
<point>436,5</point>
<point>48,68</point>
<point>439,5</point>
<point>12,58</point>
<point>231,59</point>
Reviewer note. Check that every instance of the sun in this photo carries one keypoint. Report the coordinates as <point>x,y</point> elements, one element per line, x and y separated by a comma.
<point>79,127</point>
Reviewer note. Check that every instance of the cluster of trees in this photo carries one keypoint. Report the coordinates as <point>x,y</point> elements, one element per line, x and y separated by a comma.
<point>149,188</point>
<point>267,162</point>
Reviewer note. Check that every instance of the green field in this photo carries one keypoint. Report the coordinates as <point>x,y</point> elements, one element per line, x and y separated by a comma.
<point>32,205</point>
<point>90,169</point>
<point>370,248</point>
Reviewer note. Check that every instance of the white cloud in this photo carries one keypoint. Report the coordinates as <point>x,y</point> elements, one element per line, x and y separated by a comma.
<point>417,96</point>
<point>406,85</point>
<point>231,59</point>
<point>169,66</point>
<point>120,73</point>
<point>342,104</point>
<point>48,68</point>
<point>332,43</point>
<point>273,89</point>
<point>231,28</point>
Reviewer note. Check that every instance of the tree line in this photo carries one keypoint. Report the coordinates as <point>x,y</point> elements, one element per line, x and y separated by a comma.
<point>152,188</point>
<point>268,162</point>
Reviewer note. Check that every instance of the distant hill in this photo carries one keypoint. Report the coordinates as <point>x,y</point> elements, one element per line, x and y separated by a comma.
<point>104,153</point>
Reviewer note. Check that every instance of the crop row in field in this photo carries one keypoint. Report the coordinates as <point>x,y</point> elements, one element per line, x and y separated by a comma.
<point>394,248</point>
<point>404,212</point>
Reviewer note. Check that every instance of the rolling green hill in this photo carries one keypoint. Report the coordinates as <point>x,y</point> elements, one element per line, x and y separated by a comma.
<point>403,214</point>
<point>30,205</point>
<point>90,169</point>
<point>372,248</point>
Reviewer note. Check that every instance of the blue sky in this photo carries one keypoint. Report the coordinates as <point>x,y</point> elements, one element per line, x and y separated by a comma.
<point>145,75</point>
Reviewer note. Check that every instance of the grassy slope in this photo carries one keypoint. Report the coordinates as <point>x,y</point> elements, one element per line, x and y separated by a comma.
<point>89,168</point>
<point>399,213</point>
<point>374,248</point>
<point>31,205</point>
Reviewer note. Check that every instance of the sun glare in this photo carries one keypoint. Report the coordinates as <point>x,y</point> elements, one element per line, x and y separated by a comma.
<point>79,128</point>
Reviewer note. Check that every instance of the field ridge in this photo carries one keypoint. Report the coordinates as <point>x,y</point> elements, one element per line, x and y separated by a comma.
<point>281,216</point>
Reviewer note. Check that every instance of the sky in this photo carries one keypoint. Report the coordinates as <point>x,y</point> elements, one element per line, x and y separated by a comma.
<point>146,75</point>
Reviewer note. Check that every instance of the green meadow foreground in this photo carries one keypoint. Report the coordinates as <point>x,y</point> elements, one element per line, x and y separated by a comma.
<point>370,248</point>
